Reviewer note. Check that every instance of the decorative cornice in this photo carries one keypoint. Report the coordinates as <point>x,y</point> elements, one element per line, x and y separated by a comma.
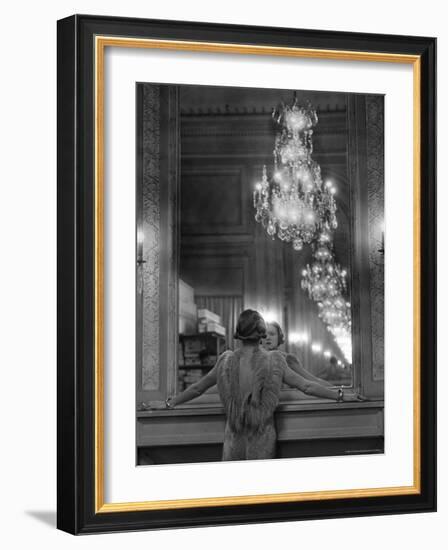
<point>227,110</point>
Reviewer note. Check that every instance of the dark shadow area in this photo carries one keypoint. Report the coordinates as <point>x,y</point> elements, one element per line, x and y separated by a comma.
<point>44,516</point>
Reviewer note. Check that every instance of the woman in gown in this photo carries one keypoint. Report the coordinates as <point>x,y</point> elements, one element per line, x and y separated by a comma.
<point>274,339</point>
<point>249,382</point>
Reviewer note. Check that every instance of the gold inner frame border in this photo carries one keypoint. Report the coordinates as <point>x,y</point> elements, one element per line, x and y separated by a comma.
<point>100,44</point>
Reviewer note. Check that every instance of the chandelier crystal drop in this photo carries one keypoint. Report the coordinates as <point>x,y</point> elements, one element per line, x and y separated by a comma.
<point>292,202</point>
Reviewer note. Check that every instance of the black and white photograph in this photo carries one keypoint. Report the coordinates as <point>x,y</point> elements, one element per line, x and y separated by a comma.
<point>259,273</point>
<point>220,275</point>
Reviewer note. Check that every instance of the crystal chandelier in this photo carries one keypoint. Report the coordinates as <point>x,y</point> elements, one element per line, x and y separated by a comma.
<point>293,203</point>
<point>335,312</point>
<point>343,338</point>
<point>324,279</point>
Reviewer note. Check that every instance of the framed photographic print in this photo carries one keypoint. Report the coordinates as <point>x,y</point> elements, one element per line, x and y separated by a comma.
<point>246,274</point>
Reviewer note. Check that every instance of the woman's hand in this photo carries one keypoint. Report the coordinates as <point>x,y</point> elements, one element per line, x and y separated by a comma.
<point>152,406</point>
<point>353,396</point>
<point>169,403</point>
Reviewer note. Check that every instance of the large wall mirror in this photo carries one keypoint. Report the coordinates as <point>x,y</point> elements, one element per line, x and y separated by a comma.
<point>220,230</point>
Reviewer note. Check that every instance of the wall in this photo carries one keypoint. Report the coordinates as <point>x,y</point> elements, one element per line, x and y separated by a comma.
<point>28,275</point>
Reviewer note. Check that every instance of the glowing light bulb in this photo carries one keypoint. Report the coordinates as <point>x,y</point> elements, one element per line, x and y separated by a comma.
<point>282,212</point>
<point>293,215</point>
<point>309,217</point>
<point>278,176</point>
<point>140,237</point>
<point>308,187</point>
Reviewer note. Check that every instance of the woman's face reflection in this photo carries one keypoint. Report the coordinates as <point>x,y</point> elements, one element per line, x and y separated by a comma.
<point>271,341</point>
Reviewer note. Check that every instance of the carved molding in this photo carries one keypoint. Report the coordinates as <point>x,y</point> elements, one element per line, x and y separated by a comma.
<point>151,237</point>
<point>375,183</point>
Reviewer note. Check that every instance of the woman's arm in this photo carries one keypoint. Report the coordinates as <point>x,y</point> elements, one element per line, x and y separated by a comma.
<point>196,389</point>
<point>313,388</point>
<point>307,386</point>
<point>296,366</point>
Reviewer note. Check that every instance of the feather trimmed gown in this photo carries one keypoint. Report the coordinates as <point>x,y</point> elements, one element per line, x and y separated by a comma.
<point>250,431</point>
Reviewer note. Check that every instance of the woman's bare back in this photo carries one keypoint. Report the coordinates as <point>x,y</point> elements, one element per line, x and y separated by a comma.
<point>245,372</point>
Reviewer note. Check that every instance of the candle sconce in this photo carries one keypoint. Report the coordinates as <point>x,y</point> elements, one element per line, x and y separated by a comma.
<point>377,247</point>
<point>140,261</point>
<point>139,277</point>
<point>381,248</point>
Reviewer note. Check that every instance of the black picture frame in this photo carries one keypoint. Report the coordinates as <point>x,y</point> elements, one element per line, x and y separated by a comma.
<point>76,475</point>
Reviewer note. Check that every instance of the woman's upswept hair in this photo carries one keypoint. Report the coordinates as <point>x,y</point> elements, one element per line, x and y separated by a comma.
<point>281,336</point>
<point>250,327</point>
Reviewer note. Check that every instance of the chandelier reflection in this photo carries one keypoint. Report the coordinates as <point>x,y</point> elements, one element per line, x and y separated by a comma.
<point>335,312</point>
<point>343,338</point>
<point>293,203</point>
<point>326,283</point>
<point>324,279</point>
